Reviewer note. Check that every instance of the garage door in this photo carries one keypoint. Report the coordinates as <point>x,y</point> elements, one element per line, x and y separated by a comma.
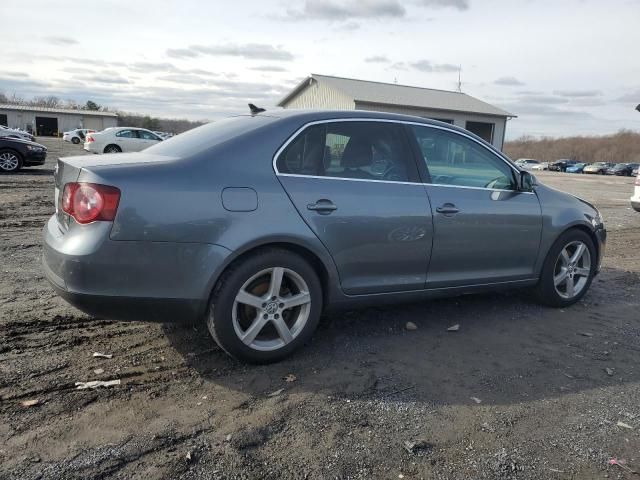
<point>94,123</point>
<point>47,126</point>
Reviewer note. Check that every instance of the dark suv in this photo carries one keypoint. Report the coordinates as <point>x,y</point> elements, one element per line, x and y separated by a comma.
<point>16,153</point>
<point>561,165</point>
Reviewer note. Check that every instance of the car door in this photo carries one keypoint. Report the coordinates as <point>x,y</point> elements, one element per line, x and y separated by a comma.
<point>485,230</point>
<point>147,139</point>
<point>355,184</point>
<point>127,140</point>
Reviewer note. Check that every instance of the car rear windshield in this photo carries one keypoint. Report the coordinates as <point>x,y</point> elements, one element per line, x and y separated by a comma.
<point>207,136</point>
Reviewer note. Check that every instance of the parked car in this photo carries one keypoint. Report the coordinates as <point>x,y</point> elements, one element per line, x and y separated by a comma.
<point>16,153</point>
<point>636,170</point>
<point>625,169</point>
<point>120,139</point>
<point>163,135</point>
<point>561,165</point>
<point>15,133</point>
<point>599,168</point>
<point>577,168</point>
<point>635,199</point>
<point>541,166</point>
<point>526,163</point>
<point>257,224</point>
<point>76,136</point>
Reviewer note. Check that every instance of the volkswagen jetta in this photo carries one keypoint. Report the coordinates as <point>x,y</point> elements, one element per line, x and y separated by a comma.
<point>257,224</point>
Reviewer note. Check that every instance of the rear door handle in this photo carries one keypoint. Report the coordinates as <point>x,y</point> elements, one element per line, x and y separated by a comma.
<point>323,207</point>
<point>448,209</point>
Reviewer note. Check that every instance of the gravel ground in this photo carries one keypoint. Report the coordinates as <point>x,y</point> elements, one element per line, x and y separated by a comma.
<point>519,392</point>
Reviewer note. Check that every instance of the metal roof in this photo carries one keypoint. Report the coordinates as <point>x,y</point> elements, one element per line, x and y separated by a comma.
<point>401,95</point>
<point>30,108</point>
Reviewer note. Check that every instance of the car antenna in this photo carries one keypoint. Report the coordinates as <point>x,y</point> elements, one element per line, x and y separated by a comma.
<point>256,110</point>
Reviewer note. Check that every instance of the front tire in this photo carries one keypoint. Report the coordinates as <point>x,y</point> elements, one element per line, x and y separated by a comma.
<point>75,140</point>
<point>10,161</point>
<point>568,270</point>
<point>265,307</point>
<point>112,149</point>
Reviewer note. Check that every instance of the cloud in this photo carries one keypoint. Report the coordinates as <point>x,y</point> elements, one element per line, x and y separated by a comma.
<point>255,51</point>
<point>542,99</point>
<point>17,74</point>
<point>398,66</point>
<point>145,67</point>
<point>61,40</point>
<point>578,93</point>
<point>181,53</point>
<point>269,68</point>
<point>427,66</point>
<point>347,27</point>
<point>632,97</point>
<point>334,10</point>
<point>109,79</point>
<point>377,59</point>
<point>508,81</point>
<point>458,4</point>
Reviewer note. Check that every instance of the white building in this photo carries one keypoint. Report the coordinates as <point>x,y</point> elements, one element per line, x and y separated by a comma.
<point>336,93</point>
<point>53,121</point>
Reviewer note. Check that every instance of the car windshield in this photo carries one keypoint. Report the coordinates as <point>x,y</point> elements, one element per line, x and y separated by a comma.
<point>599,164</point>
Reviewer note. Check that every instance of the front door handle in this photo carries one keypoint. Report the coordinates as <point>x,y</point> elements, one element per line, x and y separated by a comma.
<point>323,207</point>
<point>448,209</point>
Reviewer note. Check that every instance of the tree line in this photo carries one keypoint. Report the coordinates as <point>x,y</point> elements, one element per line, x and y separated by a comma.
<point>621,147</point>
<point>125,119</point>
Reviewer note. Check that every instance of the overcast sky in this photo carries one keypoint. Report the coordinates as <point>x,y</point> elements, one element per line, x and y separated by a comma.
<point>563,67</point>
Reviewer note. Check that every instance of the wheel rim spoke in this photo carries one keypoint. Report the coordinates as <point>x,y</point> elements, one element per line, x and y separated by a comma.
<point>276,281</point>
<point>296,300</point>
<point>246,298</point>
<point>570,286</point>
<point>565,257</point>
<point>578,253</point>
<point>283,330</point>
<point>583,272</point>
<point>252,332</point>
<point>561,277</point>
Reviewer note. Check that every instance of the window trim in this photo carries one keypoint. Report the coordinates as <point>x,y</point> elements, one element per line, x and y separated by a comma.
<point>386,120</point>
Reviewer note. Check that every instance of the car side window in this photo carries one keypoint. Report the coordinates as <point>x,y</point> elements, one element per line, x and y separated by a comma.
<point>354,150</point>
<point>452,159</point>
<point>147,135</point>
<point>126,134</point>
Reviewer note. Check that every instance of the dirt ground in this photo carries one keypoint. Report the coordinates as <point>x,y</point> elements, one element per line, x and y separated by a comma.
<point>520,391</point>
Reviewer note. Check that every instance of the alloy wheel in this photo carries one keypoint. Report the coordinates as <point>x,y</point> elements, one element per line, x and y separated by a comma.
<point>8,161</point>
<point>572,269</point>
<point>271,309</point>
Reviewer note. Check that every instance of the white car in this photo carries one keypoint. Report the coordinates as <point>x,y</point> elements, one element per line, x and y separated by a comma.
<point>526,163</point>
<point>635,200</point>
<point>76,136</point>
<point>540,166</point>
<point>120,139</point>
<point>15,133</point>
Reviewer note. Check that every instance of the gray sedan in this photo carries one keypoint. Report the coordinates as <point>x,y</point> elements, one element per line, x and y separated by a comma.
<point>257,224</point>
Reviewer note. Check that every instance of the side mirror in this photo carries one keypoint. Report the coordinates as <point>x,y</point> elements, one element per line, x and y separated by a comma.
<point>526,181</point>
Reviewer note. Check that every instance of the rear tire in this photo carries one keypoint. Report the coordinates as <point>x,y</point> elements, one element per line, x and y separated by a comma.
<point>112,149</point>
<point>568,270</point>
<point>10,161</point>
<point>265,307</point>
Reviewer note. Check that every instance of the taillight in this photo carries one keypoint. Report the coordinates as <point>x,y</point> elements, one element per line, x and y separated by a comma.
<point>90,139</point>
<point>90,202</point>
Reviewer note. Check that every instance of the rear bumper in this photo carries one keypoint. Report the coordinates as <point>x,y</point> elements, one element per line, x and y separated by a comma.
<point>130,280</point>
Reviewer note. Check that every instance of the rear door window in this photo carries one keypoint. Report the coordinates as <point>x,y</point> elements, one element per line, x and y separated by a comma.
<point>376,151</point>
<point>126,134</point>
